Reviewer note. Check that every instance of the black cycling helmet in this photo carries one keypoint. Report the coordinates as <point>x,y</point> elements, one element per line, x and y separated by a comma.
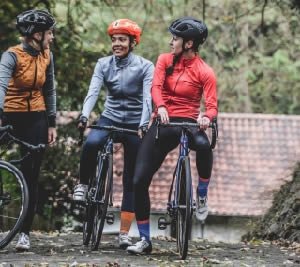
<point>189,28</point>
<point>32,21</point>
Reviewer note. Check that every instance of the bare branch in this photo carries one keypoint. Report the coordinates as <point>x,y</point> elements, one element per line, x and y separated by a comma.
<point>262,25</point>
<point>203,10</point>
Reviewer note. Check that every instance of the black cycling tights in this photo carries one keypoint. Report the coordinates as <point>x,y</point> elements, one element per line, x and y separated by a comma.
<point>30,127</point>
<point>152,153</point>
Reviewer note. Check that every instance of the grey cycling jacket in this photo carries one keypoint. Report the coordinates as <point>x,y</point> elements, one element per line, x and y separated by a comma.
<point>128,84</point>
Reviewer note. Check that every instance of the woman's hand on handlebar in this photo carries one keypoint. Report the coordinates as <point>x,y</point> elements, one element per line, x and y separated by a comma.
<point>203,122</point>
<point>142,131</point>
<point>82,123</point>
<point>163,113</point>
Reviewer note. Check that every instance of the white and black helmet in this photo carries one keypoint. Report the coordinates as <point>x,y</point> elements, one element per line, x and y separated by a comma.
<point>32,21</point>
<point>189,28</point>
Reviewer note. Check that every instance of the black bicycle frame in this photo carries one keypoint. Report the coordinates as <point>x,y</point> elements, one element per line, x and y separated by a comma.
<point>107,150</point>
<point>183,154</point>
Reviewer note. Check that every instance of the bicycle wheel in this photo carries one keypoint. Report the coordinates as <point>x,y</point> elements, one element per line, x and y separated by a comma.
<point>14,199</point>
<point>90,210</point>
<point>184,211</point>
<point>105,185</point>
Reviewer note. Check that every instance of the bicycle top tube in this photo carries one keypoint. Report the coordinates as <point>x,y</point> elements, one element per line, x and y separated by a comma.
<point>113,129</point>
<point>6,130</point>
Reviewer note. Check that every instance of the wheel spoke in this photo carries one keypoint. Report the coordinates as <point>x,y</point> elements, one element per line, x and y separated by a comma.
<point>14,201</point>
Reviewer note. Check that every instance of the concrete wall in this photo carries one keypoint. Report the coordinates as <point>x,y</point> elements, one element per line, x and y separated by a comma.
<point>216,229</point>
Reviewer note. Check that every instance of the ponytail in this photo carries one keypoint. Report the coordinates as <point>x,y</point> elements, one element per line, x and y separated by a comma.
<point>170,69</point>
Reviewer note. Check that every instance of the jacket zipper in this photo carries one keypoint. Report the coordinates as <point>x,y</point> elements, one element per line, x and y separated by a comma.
<point>178,79</point>
<point>33,85</point>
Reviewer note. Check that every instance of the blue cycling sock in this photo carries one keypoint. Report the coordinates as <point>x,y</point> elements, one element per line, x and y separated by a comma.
<point>144,229</point>
<point>203,187</point>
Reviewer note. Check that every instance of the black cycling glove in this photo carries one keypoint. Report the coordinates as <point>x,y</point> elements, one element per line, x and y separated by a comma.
<point>82,123</point>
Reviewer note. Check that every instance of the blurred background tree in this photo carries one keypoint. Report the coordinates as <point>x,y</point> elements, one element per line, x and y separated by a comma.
<point>253,46</point>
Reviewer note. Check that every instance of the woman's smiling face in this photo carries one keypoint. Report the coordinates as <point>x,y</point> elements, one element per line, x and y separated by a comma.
<point>120,44</point>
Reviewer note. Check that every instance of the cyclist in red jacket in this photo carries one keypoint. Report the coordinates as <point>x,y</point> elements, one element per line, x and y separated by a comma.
<point>181,78</point>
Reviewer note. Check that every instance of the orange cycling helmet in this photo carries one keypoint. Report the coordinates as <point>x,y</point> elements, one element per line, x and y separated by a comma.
<point>125,26</point>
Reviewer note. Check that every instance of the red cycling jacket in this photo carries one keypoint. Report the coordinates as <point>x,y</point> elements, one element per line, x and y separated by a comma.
<point>181,92</point>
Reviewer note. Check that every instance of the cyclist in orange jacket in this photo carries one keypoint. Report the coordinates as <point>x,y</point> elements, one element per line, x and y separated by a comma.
<point>181,78</point>
<point>28,97</point>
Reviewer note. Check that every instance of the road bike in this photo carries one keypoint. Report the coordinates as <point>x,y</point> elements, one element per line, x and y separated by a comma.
<point>14,196</point>
<point>180,206</point>
<point>99,196</point>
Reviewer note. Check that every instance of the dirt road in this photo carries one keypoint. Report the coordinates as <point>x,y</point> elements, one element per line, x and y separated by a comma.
<point>65,249</point>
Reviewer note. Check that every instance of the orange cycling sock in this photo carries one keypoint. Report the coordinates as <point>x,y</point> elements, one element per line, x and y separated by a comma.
<point>126,220</point>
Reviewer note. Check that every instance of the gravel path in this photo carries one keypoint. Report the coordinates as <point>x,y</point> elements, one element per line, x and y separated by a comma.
<point>65,249</point>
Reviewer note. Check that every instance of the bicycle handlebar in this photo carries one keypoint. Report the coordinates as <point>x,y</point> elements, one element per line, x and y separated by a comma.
<point>107,128</point>
<point>7,128</point>
<point>113,129</point>
<point>183,124</point>
<point>213,125</point>
<point>7,131</point>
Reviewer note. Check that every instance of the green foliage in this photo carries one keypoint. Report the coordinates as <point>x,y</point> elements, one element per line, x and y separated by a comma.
<point>253,46</point>
<point>8,13</point>
<point>58,177</point>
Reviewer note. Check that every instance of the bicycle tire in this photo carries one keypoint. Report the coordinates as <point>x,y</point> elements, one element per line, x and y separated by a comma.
<point>90,209</point>
<point>14,201</point>
<point>101,210</point>
<point>91,205</point>
<point>184,211</point>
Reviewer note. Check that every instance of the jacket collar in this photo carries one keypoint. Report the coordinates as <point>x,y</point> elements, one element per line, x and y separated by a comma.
<point>30,50</point>
<point>188,62</point>
<point>123,62</point>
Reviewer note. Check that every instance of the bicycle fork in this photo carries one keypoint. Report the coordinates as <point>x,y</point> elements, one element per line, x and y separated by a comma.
<point>110,217</point>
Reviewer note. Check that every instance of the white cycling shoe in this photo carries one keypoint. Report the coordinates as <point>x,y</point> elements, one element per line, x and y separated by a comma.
<point>23,242</point>
<point>201,208</point>
<point>142,246</point>
<point>80,192</point>
<point>124,240</point>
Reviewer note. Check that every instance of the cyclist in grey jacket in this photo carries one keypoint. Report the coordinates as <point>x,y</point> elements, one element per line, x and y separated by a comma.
<point>127,78</point>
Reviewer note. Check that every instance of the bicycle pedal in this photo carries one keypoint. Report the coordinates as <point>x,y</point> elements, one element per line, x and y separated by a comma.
<point>162,223</point>
<point>110,218</point>
<point>194,206</point>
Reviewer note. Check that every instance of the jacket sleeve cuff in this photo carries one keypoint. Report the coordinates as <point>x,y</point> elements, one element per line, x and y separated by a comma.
<point>160,104</point>
<point>52,121</point>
